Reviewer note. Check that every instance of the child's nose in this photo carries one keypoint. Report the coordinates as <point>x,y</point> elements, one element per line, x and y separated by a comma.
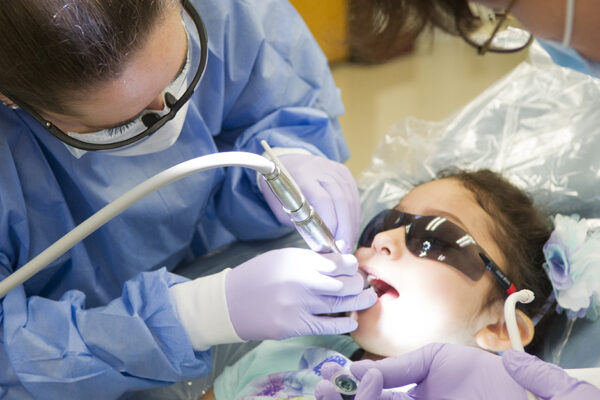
<point>389,243</point>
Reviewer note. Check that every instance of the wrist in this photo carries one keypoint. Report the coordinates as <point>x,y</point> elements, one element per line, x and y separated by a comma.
<point>201,307</point>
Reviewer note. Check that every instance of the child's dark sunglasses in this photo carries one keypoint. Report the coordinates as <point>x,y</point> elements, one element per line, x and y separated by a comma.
<point>438,239</point>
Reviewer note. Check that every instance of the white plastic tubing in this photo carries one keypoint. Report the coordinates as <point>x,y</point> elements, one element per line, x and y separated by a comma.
<point>510,316</point>
<point>80,232</point>
<point>522,296</point>
<point>591,375</point>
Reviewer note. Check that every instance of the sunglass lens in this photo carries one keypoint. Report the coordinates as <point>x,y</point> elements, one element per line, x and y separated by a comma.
<point>384,221</point>
<point>436,238</point>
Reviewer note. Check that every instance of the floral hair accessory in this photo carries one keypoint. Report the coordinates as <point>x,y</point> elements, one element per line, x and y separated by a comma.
<point>573,265</point>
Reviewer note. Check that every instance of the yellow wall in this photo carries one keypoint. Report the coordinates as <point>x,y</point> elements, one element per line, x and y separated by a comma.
<point>327,22</point>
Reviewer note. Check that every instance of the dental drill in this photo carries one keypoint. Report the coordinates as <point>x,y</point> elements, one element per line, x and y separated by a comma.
<point>309,224</point>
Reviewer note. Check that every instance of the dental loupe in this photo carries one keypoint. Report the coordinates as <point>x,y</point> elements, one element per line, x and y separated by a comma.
<point>307,221</point>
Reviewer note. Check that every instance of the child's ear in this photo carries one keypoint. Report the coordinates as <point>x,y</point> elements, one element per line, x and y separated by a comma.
<point>494,337</point>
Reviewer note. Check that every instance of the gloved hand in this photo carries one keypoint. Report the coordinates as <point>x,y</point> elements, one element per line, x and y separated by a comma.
<point>275,295</point>
<point>279,294</point>
<point>440,371</point>
<point>547,381</point>
<point>460,372</point>
<point>329,187</point>
<point>369,388</point>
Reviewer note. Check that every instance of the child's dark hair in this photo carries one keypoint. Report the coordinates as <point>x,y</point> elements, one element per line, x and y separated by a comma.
<point>521,231</point>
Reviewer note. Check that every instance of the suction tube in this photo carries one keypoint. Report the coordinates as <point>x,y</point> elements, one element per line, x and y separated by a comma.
<point>522,296</point>
<point>591,375</point>
<point>510,316</point>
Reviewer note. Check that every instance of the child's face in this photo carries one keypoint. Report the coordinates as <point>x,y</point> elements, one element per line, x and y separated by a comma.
<point>421,300</point>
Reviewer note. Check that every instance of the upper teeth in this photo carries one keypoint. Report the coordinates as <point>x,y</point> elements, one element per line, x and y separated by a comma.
<point>370,278</point>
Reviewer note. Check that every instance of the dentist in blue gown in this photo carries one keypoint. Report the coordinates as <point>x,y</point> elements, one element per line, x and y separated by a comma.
<point>100,96</point>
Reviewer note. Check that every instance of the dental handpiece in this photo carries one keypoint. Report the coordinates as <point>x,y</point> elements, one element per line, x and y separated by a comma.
<point>308,223</point>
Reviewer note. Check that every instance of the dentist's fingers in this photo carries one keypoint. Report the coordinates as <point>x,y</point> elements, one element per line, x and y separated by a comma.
<point>350,223</point>
<point>341,264</point>
<point>344,195</point>
<point>408,368</point>
<point>326,391</point>
<point>546,380</point>
<point>329,369</point>
<point>334,304</point>
<point>331,325</point>
<point>324,203</point>
<point>351,285</point>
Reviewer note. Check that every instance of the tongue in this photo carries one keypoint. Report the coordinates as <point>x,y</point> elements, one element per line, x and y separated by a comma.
<point>383,289</point>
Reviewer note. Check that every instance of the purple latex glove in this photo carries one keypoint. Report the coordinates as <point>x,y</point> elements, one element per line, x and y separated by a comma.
<point>370,387</point>
<point>547,381</point>
<point>442,371</point>
<point>329,187</point>
<point>459,372</point>
<point>279,294</point>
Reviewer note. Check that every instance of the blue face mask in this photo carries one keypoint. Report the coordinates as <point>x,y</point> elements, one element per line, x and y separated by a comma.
<point>566,56</point>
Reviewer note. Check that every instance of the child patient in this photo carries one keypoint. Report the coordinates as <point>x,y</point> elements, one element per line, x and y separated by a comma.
<point>442,262</point>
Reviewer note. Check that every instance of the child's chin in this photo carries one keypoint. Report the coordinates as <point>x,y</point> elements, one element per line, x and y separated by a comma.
<point>377,346</point>
<point>366,319</point>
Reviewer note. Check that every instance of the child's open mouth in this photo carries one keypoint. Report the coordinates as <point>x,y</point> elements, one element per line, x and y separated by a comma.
<point>382,288</point>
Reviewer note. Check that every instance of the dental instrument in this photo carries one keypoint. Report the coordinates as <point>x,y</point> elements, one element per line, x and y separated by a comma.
<point>510,316</point>
<point>308,223</point>
<point>591,375</point>
<point>306,220</point>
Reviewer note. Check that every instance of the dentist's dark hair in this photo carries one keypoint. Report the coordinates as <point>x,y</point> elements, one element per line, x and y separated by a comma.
<point>382,29</point>
<point>53,50</point>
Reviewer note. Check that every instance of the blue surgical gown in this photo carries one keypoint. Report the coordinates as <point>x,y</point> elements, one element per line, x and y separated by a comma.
<point>98,322</point>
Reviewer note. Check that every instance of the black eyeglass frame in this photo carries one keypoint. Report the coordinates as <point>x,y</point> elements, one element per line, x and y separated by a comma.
<point>159,123</point>
<point>405,219</point>
<point>485,47</point>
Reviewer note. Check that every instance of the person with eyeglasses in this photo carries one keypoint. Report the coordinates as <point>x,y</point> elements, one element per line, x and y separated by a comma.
<point>98,97</point>
<point>567,29</point>
<point>442,262</point>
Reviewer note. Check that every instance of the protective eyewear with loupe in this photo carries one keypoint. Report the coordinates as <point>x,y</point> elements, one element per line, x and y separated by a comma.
<point>150,121</point>
<point>436,238</point>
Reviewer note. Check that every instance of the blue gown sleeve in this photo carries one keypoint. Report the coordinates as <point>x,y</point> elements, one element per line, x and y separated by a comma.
<point>278,87</point>
<point>59,349</point>
<point>51,345</point>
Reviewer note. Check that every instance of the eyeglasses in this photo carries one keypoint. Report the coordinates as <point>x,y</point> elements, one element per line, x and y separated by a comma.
<point>436,238</point>
<point>497,32</point>
<point>151,121</point>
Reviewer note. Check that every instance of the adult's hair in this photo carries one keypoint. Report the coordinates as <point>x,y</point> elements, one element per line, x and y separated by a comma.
<point>53,50</point>
<point>521,230</point>
<point>381,29</point>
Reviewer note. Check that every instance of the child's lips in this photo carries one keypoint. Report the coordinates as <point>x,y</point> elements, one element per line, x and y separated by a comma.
<point>382,288</point>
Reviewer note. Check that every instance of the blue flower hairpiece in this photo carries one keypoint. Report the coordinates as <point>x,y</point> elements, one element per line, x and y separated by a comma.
<point>573,265</point>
